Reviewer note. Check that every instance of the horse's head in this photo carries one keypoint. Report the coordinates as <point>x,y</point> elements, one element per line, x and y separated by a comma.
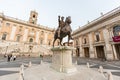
<point>68,20</point>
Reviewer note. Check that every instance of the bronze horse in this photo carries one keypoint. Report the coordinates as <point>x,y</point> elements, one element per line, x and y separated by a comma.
<point>65,31</point>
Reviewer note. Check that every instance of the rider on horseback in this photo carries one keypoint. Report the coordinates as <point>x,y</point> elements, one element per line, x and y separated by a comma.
<point>61,24</point>
<point>63,30</point>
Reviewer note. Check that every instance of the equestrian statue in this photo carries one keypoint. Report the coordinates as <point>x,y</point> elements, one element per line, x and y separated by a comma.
<point>63,30</point>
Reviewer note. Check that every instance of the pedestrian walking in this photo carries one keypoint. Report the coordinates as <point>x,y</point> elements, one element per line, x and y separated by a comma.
<point>14,58</point>
<point>8,58</point>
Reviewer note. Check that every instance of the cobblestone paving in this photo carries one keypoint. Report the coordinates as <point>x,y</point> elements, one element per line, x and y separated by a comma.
<point>12,68</point>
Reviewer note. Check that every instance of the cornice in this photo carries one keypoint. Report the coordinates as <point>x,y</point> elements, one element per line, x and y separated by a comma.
<point>99,19</point>
<point>16,20</point>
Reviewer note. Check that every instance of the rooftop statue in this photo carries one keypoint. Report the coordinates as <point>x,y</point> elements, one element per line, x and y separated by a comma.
<point>63,30</point>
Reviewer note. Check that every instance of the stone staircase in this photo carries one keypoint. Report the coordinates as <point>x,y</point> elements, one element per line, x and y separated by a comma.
<point>12,47</point>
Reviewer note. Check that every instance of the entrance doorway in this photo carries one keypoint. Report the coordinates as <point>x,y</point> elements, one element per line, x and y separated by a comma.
<point>77,52</point>
<point>117,47</point>
<point>86,52</point>
<point>100,52</point>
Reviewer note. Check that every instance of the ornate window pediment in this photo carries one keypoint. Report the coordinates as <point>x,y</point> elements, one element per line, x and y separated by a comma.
<point>7,24</point>
<point>42,32</point>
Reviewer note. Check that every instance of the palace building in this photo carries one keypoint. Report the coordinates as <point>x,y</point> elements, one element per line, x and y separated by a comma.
<point>24,36</point>
<point>99,38</point>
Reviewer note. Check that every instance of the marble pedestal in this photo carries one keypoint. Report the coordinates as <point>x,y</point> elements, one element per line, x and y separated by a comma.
<point>62,59</point>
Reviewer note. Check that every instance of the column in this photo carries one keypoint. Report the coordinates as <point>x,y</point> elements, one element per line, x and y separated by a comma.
<point>37,37</point>
<point>91,51</point>
<point>12,35</point>
<point>95,53</point>
<point>46,37</point>
<point>110,34</point>
<point>114,52</point>
<point>25,35</point>
<point>81,50</point>
<point>108,48</point>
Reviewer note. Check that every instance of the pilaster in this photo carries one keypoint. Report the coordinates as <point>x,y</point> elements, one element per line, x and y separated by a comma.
<point>46,37</point>
<point>37,37</point>
<point>13,30</point>
<point>91,51</point>
<point>81,50</point>
<point>25,35</point>
<point>114,52</point>
<point>108,48</point>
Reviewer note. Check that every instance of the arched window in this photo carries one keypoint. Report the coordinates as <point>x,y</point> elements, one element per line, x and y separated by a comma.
<point>31,40</point>
<point>116,30</point>
<point>4,36</point>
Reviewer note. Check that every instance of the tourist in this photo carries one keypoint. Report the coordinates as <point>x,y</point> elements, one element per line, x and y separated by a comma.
<point>14,58</point>
<point>8,59</point>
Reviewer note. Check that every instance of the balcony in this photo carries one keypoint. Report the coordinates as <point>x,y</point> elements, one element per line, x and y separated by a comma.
<point>99,43</point>
<point>85,45</point>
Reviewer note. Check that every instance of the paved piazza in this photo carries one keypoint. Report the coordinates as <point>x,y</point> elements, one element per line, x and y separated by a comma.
<point>10,70</point>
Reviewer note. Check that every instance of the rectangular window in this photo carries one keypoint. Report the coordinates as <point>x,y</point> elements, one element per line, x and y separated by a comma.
<point>97,38</point>
<point>18,38</point>
<point>41,41</point>
<point>4,36</point>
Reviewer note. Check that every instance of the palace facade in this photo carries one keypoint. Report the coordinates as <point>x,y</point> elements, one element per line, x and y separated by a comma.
<point>99,38</point>
<point>25,36</point>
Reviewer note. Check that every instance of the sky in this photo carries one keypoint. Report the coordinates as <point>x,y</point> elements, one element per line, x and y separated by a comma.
<point>81,11</point>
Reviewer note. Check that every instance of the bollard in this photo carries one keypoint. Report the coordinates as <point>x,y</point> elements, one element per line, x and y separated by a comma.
<point>88,66</point>
<point>20,77</point>
<point>22,66</point>
<point>41,62</point>
<point>91,79</point>
<point>100,69</point>
<point>21,72</point>
<point>76,62</point>
<point>110,76</point>
<point>22,69</point>
<point>30,64</point>
<point>43,78</point>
